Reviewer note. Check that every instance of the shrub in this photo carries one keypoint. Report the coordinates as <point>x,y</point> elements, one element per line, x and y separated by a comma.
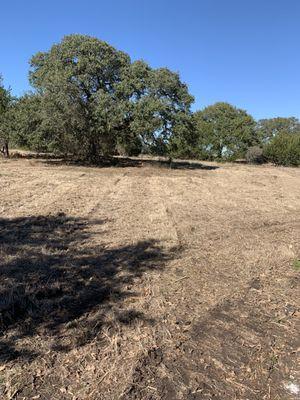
<point>254,155</point>
<point>284,149</point>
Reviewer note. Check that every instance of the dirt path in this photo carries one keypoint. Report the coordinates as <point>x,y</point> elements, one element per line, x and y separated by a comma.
<point>160,284</point>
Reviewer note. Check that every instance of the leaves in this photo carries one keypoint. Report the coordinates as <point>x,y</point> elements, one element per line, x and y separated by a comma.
<point>225,131</point>
<point>284,149</point>
<point>267,129</point>
<point>93,98</point>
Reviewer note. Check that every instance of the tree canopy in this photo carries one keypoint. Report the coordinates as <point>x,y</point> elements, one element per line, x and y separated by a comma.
<point>93,97</point>
<point>269,128</point>
<point>224,130</point>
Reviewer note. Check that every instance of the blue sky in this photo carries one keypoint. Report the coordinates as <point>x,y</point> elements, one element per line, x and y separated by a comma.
<point>246,52</point>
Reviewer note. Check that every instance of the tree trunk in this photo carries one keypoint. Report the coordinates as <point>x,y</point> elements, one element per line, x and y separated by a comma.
<point>93,155</point>
<point>4,149</point>
<point>220,152</point>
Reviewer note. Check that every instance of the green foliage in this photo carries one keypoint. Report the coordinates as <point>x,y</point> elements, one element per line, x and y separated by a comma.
<point>296,264</point>
<point>184,142</point>
<point>27,129</point>
<point>93,98</point>
<point>284,149</point>
<point>267,129</point>
<point>76,81</point>
<point>225,132</point>
<point>5,97</point>
<point>6,103</point>
<point>157,108</point>
<point>254,155</point>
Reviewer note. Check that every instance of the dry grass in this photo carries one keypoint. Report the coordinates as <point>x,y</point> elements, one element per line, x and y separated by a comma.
<point>144,282</point>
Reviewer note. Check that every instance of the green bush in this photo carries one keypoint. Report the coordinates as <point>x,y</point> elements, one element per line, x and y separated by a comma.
<point>284,149</point>
<point>254,155</point>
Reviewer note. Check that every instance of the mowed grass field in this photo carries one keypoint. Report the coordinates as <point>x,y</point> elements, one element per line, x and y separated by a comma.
<point>148,282</point>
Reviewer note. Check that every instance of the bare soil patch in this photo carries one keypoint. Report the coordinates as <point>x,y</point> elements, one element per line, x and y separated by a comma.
<point>148,282</point>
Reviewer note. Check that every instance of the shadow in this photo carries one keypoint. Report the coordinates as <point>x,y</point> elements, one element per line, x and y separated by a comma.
<point>112,161</point>
<point>243,162</point>
<point>32,155</point>
<point>53,282</point>
<point>176,164</point>
<point>125,162</point>
<point>103,162</point>
<point>8,352</point>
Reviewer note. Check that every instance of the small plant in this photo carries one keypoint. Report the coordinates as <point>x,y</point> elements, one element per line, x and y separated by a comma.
<point>254,155</point>
<point>296,264</point>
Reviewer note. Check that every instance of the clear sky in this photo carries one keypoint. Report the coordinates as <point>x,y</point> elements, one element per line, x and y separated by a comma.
<point>246,52</point>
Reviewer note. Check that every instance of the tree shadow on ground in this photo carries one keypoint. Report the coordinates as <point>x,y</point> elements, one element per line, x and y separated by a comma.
<point>124,162</point>
<point>52,281</point>
<point>177,164</point>
<point>117,161</point>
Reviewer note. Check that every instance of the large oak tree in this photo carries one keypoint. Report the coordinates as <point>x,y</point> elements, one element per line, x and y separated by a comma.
<point>225,131</point>
<point>94,98</point>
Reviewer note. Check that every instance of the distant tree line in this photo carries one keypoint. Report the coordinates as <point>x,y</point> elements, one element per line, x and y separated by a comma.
<point>91,101</point>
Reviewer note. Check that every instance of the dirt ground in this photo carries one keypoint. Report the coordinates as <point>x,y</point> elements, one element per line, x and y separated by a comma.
<point>145,282</point>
